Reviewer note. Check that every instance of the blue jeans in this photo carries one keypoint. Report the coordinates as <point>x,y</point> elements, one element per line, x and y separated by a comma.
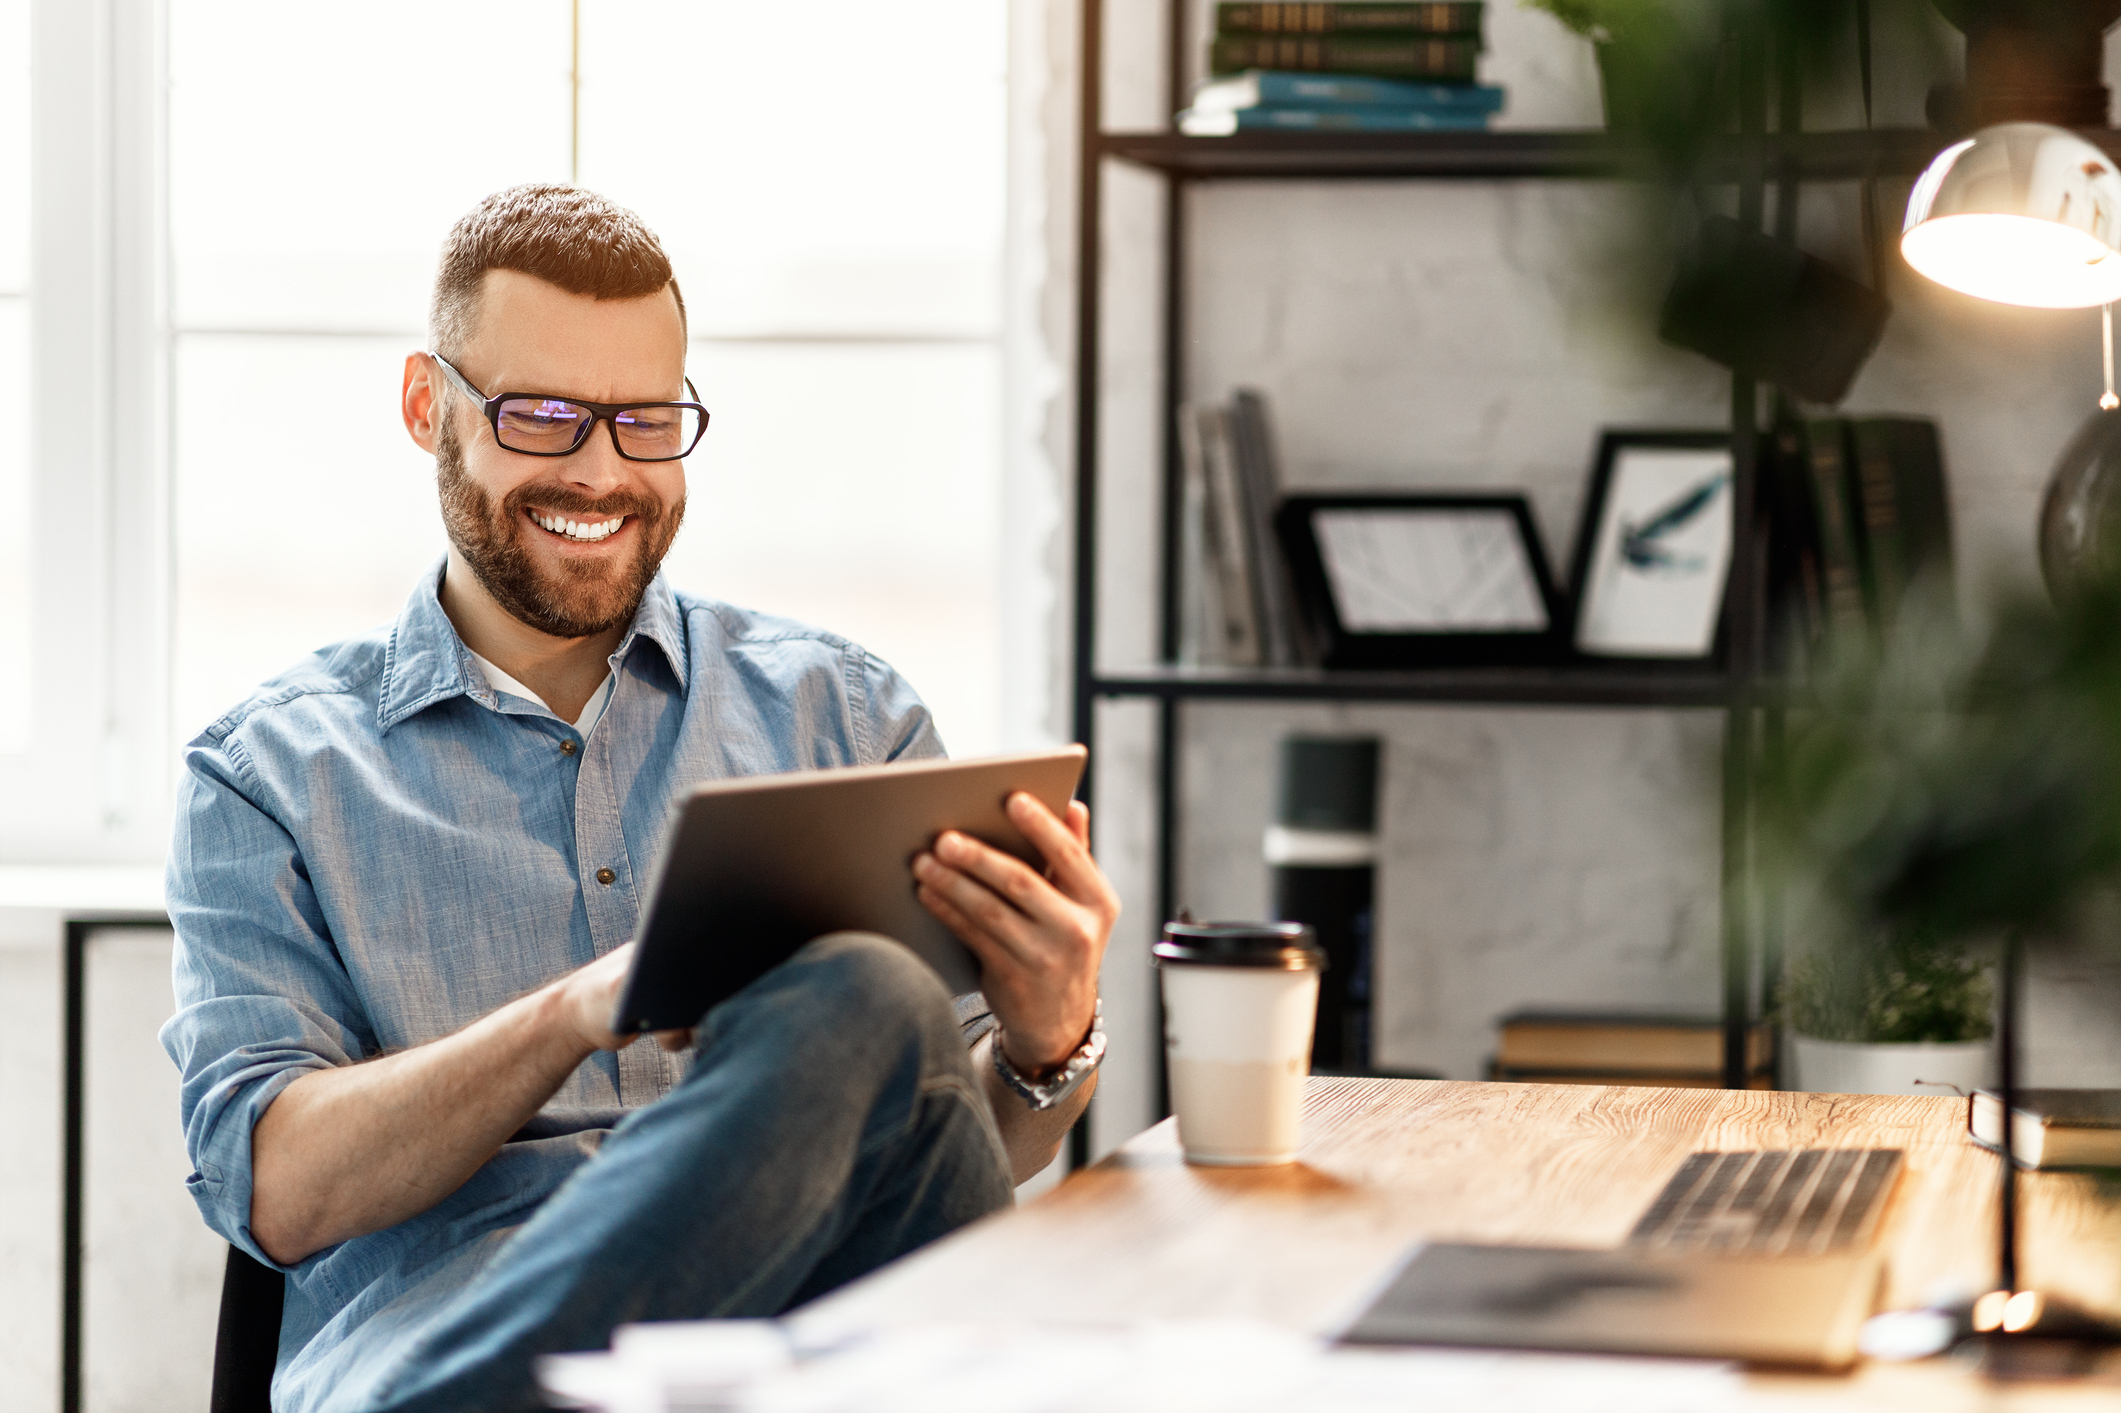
<point>831,1123</point>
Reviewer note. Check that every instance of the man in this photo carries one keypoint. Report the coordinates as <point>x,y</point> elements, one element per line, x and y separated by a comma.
<point>406,871</point>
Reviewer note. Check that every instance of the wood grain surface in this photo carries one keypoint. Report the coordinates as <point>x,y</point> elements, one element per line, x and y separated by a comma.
<point>1388,1163</point>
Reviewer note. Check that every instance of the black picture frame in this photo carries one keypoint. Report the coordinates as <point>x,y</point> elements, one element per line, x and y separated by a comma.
<point>1344,648</point>
<point>1597,506</point>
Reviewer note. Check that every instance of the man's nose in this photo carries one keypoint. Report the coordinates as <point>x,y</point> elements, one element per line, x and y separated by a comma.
<point>596,465</point>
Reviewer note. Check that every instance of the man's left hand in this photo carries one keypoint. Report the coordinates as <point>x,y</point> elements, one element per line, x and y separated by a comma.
<point>1039,936</point>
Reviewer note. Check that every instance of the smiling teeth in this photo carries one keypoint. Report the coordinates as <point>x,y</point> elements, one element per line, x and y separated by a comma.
<point>587,531</point>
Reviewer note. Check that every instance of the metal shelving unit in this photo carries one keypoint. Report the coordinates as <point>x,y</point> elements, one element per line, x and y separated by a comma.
<point>1749,159</point>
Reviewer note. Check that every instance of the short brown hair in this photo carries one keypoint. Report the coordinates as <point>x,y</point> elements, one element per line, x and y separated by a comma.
<point>560,234</point>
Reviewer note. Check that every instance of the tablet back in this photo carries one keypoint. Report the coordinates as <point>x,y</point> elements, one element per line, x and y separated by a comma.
<point>753,868</point>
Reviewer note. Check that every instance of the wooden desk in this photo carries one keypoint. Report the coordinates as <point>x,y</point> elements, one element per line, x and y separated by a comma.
<point>1386,1163</point>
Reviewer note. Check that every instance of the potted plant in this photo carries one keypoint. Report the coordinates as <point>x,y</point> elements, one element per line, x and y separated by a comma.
<point>1902,1013</point>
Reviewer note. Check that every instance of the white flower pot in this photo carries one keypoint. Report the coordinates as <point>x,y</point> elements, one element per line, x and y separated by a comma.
<point>1844,1067</point>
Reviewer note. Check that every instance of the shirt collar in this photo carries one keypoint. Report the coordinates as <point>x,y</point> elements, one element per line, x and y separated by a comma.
<point>427,662</point>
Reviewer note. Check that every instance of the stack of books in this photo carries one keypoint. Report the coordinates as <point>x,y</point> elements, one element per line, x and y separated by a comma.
<point>1360,66</point>
<point>1608,1047</point>
<point>1860,515</point>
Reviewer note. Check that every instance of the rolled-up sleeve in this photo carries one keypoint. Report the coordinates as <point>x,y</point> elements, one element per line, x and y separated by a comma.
<point>262,997</point>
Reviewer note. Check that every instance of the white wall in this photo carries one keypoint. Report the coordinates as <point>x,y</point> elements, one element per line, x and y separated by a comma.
<point>151,1271</point>
<point>29,1172</point>
<point>1479,334</point>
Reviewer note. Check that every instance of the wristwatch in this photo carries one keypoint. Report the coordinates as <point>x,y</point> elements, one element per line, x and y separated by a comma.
<point>1062,1082</point>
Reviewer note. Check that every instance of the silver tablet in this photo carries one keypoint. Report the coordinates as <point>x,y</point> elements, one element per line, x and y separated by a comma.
<point>751,869</point>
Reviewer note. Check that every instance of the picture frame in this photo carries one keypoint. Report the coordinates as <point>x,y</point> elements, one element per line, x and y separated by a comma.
<point>1421,579</point>
<point>1650,572</point>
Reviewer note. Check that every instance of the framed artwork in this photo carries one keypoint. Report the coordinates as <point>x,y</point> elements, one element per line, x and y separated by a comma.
<point>1653,551</point>
<point>1413,580</point>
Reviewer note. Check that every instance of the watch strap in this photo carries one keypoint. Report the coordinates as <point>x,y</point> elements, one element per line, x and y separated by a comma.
<point>1044,1094</point>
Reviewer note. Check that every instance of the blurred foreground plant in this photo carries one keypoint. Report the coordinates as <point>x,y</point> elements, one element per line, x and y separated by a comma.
<point>1945,791</point>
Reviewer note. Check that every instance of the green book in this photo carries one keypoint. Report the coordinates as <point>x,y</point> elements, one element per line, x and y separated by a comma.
<point>1438,60</point>
<point>1834,511</point>
<point>1359,17</point>
<point>1904,524</point>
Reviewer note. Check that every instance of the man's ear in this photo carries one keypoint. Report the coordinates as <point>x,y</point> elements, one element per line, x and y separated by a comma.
<point>421,401</point>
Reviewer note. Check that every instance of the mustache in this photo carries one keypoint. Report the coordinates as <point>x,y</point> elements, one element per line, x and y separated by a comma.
<point>573,503</point>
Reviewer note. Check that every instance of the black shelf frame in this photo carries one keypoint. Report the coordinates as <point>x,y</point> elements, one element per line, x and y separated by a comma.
<point>1750,159</point>
<point>1532,154</point>
<point>1572,686</point>
<point>1511,154</point>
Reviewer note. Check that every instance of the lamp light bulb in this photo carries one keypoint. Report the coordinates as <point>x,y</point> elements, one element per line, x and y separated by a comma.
<point>2021,260</point>
<point>2019,213</point>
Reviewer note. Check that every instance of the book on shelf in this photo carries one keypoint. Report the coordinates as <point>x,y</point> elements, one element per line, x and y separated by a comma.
<point>1279,88</point>
<point>1440,60</point>
<point>1237,606</point>
<point>1796,593</point>
<point>1873,521</point>
<point>1350,17</point>
<point>2052,1128</point>
<point>1906,525</point>
<point>1833,516</point>
<point>1194,123</point>
<point>1623,1042</point>
<point>1218,595</point>
<point>1282,639</point>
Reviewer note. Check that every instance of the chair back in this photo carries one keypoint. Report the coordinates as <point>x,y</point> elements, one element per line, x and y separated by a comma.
<point>247,1340</point>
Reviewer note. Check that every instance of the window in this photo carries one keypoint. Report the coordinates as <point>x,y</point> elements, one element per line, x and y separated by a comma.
<point>840,259</point>
<point>15,612</point>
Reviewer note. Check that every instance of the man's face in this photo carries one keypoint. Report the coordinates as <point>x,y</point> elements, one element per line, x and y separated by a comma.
<point>533,337</point>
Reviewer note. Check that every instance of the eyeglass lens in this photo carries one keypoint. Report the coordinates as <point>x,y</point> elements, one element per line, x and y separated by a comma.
<point>548,425</point>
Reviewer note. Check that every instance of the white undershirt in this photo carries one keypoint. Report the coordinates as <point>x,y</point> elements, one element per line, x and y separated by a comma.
<point>502,682</point>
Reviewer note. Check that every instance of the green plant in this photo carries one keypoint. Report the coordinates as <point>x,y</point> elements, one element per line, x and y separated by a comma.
<point>1907,988</point>
<point>1952,789</point>
<point>1603,20</point>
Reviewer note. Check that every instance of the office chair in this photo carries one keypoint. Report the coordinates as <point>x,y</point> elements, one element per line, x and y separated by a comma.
<point>247,1339</point>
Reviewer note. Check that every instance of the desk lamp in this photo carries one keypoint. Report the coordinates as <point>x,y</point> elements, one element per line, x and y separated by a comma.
<point>2026,214</point>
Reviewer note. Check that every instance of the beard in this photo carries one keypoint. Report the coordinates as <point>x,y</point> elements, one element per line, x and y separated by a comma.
<point>575,599</point>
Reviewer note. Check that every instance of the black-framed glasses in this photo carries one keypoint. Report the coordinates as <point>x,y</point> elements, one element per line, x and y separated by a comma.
<point>537,425</point>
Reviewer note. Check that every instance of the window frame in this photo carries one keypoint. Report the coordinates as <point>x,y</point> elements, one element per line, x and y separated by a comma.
<point>94,779</point>
<point>92,782</point>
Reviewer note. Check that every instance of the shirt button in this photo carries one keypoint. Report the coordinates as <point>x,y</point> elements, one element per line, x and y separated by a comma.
<point>567,747</point>
<point>606,877</point>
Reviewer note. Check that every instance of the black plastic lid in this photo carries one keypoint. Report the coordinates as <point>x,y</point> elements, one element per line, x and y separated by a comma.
<point>1329,782</point>
<point>1289,946</point>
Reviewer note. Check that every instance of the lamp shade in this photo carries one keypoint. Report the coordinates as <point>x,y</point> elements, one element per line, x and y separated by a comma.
<point>2019,213</point>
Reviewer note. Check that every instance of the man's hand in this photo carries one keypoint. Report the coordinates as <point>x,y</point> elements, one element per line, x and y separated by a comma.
<point>1039,937</point>
<point>589,998</point>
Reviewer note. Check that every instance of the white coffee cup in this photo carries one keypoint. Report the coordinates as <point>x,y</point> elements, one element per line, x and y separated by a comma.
<point>1240,1000</point>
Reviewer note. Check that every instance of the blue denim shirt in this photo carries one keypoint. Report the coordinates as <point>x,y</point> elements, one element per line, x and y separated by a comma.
<point>376,849</point>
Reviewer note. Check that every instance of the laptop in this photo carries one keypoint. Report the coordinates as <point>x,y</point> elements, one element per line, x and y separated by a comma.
<point>1759,1256</point>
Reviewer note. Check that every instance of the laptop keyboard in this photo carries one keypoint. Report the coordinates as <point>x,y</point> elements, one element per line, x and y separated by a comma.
<point>1796,1202</point>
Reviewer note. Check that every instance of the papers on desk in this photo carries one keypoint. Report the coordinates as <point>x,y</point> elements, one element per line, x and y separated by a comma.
<point>1228,1366</point>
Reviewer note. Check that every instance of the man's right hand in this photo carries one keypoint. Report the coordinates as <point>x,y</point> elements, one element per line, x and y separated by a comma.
<point>352,1149</point>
